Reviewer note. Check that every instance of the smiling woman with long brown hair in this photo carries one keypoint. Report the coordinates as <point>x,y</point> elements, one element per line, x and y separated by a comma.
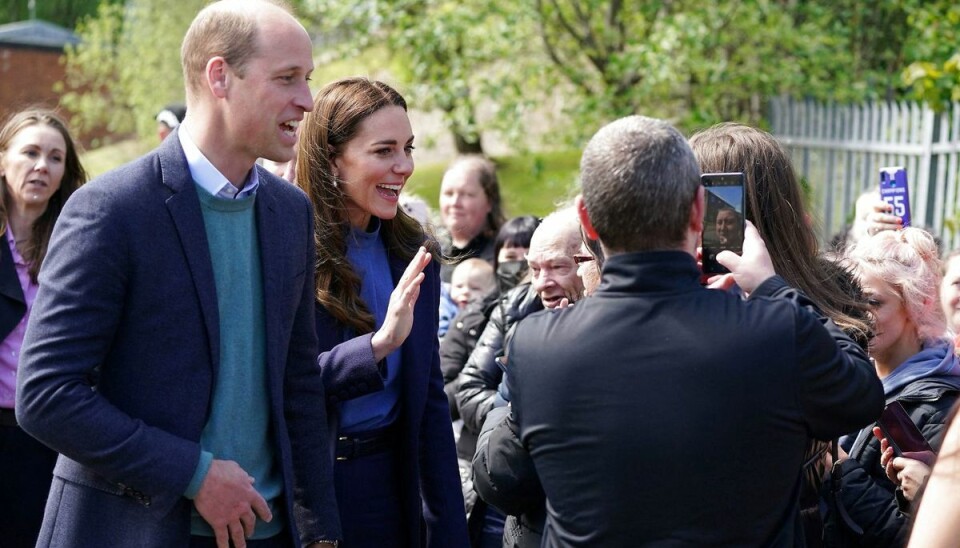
<point>378,290</point>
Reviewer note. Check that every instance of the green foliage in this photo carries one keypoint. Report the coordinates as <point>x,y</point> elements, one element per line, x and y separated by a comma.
<point>933,84</point>
<point>447,55</point>
<point>694,62</point>
<point>128,65</point>
<point>65,13</point>
<point>90,86</point>
<point>935,76</point>
<point>530,183</point>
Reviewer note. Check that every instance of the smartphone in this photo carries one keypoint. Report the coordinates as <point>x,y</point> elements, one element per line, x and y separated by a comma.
<point>723,218</point>
<point>893,190</point>
<point>901,433</point>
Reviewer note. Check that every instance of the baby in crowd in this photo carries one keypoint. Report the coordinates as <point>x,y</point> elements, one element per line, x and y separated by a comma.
<point>471,280</point>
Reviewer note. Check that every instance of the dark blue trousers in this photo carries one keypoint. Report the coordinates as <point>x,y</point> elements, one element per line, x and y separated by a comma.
<point>368,495</point>
<point>26,470</point>
<point>279,541</point>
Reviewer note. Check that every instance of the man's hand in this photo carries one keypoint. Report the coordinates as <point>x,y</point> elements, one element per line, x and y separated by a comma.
<point>399,318</point>
<point>754,266</point>
<point>230,504</point>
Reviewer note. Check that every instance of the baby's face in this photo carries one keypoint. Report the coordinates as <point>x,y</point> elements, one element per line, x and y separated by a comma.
<point>466,286</point>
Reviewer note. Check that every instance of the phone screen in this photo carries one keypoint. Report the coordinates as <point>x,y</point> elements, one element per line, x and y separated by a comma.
<point>901,433</point>
<point>723,218</point>
<point>894,191</point>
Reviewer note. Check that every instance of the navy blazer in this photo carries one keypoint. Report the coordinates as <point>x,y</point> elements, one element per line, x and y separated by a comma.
<point>122,350</point>
<point>13,304</point>
<point>431,480</point>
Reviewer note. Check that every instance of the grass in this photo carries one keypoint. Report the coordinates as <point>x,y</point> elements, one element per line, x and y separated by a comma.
<point>530,184</point>
<point>101,160</point>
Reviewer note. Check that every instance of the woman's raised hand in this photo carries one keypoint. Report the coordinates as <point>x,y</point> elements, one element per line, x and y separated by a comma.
<point>399,319</point>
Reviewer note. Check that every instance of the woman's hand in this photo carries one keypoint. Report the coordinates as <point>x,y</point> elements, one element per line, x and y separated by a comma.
<point>911,474</point>
<point>399,319</point>
<point>877,217</point>
<point>910,471</point>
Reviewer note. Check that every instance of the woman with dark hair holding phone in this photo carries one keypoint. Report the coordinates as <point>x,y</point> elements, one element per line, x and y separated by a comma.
<point>39,170</point>
<point>900,273</point>
<point>377,289</point>
<point>774,203</point>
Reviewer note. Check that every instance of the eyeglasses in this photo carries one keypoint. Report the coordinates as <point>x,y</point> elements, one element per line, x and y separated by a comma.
<point>580,259</point>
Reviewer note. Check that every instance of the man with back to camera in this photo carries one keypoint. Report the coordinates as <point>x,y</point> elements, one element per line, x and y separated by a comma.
<point>661,412</point>
<point>171,352</point>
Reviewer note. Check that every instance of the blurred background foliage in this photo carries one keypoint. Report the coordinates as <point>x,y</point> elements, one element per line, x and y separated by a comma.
<point>535,76</point>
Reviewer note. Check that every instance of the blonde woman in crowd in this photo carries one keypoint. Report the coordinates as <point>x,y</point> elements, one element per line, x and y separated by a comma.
<point>900,273</point>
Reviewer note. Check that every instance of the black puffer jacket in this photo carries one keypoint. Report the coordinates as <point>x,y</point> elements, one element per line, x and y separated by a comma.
<point>481,376</point>
<point>459,342</point>
<point>504,477</point>
<point>867,494</point>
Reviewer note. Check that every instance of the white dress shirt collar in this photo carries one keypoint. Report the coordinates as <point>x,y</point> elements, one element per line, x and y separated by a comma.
<point>208,176</point>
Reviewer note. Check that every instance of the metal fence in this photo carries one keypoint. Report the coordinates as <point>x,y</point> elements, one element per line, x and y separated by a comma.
<point>839,150</point>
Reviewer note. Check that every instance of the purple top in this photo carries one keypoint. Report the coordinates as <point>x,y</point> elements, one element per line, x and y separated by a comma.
<point>10,347</point>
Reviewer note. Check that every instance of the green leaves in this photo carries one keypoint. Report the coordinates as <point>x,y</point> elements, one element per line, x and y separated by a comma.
<point>128,65</point>
<point>553,71</point>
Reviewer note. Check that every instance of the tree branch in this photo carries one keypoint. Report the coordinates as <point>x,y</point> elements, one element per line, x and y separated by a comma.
<point>572,75</point>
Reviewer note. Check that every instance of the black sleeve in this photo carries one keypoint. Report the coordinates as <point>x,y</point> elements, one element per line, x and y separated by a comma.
<point>481,376</point>
<point>871,506</point>
<point>455,349</point>
<point>504,474</point>
<point>838,389</point>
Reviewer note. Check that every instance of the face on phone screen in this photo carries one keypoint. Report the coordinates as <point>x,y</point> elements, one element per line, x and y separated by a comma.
<point>723,221</point>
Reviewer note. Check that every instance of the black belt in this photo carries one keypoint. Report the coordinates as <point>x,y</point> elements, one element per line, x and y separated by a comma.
<point>7,418</point>
<point>361,444</point>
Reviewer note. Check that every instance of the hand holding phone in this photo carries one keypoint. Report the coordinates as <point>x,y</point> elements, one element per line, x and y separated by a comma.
<point>753,266</point>
<point>894,191</point>
<point>723,223</point>
<point>902,435</point>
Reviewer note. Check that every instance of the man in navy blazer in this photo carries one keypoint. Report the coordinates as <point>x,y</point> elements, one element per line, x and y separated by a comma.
<point>171,353</point>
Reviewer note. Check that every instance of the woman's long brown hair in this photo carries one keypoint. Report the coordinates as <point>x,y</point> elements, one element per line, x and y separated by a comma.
<point>774,203</point>
<point>73,176</point>
<point>338,110</point>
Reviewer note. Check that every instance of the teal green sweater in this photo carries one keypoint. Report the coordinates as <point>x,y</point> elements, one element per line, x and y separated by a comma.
<point>238,428</point>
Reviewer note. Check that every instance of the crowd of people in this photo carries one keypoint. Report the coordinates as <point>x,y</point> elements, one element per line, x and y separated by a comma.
<point>248,337</point>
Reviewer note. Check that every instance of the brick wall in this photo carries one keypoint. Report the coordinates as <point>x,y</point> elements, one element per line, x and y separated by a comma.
<point>27,77</point>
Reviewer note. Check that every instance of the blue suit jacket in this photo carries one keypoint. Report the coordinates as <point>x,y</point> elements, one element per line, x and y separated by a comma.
<point>122,349</point>
<point>13,304</point>
<point>431,489</point>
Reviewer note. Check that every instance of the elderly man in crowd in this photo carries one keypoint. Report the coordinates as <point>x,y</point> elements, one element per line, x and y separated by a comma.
<point>554,282</point>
